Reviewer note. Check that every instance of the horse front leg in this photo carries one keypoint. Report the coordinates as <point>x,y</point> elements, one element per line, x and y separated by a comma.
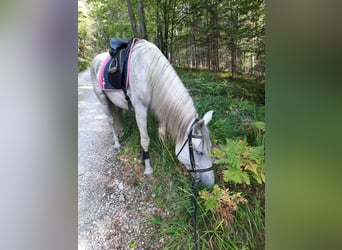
<point>141,118</point>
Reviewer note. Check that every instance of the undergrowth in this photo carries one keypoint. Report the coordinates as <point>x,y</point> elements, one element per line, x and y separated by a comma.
<point>83,64</point>
<point>231,214</point>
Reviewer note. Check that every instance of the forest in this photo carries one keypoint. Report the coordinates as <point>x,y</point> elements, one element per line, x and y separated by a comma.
<point>214,35</point>
<point>218,50</point>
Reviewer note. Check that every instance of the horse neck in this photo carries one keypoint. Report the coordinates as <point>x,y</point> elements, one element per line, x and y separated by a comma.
<point>171,101</point>
<point>184,134</point>
<point>180,140</point>
<point>180,125</point>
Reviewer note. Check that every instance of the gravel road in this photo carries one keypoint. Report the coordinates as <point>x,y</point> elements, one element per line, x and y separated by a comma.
<point>112,213</point>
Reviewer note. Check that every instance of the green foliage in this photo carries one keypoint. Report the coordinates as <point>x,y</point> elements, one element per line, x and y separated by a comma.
<point>83,64</point>
<point>110,20</point>
<point>132,244</point>
<point>196,34</point>
<point>222,203</point>
<point>258,129</point>
<point>233,111</point>
<point>85,36</point>
<point>241,162</point>
<point>212,199</point>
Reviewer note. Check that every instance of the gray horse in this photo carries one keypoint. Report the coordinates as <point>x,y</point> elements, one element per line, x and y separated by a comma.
<point>154,85</point>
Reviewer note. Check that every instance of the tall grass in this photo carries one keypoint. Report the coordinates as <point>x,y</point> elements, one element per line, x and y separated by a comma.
<point>236,111</point>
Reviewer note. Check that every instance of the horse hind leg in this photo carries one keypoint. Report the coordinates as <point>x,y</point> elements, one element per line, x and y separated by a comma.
<point>117,117</point>
<point>105,103</point>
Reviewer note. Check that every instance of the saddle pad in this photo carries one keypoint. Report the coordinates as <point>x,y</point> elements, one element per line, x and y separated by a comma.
<point>101,79</point>
<point>115,80</point>
<point>107,82</point>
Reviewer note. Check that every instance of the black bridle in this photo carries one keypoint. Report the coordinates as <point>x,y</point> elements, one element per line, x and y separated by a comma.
<point>195,180</point>
<point>191,152</point>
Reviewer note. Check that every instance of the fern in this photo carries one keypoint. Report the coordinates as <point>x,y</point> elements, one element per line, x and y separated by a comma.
<point>222,204</point>
<point>236,176</point>
<point>242,162</point>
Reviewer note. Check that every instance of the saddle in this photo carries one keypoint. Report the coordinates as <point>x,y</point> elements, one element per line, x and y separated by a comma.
<point>115,72</point>
<point>117,44</point>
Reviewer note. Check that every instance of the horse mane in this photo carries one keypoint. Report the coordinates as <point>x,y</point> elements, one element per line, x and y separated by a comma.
<point>205,143</point>
<point>170,100</point>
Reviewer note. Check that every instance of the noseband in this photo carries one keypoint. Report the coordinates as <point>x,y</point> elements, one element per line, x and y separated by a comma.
<point>191,152</point>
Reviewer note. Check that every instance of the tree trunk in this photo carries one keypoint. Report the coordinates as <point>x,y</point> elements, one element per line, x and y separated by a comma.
<point>142,23</point>
<point>160,38</point>
<point>173,18</point>
<point>166,29</point>
<point>132,18</point>
<point>215,37</point>
<point>232,40</point>
<point>208,61</point>
<point>233,56</point>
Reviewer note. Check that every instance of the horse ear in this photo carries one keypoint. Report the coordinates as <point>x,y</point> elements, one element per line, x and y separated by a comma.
<point>199,125</point>
<point>207,117</point>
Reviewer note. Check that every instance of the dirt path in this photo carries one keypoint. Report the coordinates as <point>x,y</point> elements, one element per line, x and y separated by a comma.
<point>112,213</point>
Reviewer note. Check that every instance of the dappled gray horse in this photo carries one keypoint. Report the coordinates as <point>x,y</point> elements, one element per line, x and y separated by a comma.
<point>154,85</point>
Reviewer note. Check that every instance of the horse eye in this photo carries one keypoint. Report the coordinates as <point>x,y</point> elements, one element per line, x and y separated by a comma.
<point>201,153</point>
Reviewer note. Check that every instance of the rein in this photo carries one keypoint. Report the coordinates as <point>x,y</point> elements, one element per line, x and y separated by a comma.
<point>193,197</point>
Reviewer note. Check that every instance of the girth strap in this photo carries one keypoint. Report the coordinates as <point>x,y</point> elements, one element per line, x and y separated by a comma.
<point>130,106</point>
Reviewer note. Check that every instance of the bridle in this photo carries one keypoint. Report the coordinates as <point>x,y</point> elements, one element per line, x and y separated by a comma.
<point>191,151</point>
<point>195,180</point>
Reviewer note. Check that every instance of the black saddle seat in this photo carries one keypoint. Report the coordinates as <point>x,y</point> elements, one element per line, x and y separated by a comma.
<point>117,44</point>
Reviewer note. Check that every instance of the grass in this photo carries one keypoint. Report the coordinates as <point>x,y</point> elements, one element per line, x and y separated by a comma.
<point>83,64</point>
<point>236,103</point>
<point>238,112</point>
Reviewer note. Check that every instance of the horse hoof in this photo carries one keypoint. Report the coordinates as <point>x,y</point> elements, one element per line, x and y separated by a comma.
<point>148,172</point>
<point>116,147</point>
<point>149,176</point>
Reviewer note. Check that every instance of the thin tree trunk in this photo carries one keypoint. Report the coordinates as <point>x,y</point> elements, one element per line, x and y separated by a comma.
<point>216,38</point>
<point>172,34</point>
<point>166,29</point>
<point>159,29</point>
<point>132,18</point>
<point>142,23</point>
<point>233,41</point>
<point>208,61</point>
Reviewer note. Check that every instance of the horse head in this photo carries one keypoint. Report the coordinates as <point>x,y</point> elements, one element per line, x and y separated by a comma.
<point>194,153</point>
